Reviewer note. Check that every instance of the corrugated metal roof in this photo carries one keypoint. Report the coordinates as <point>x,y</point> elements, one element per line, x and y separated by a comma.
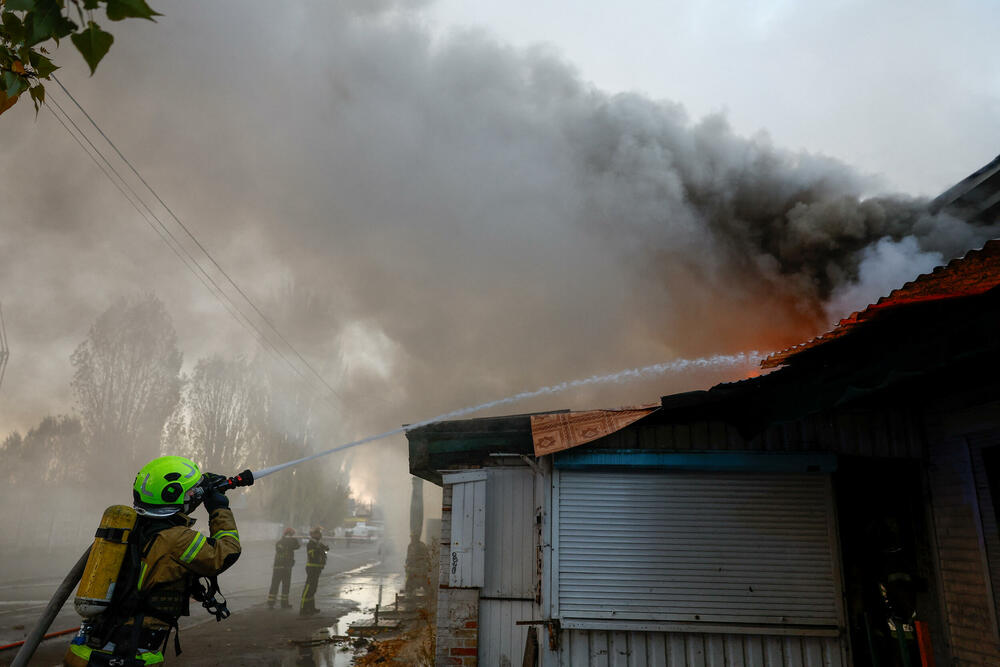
<point>976,198</point>
<point>976,273</point>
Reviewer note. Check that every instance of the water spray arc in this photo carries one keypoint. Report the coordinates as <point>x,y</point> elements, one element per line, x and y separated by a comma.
<point>247,477</point>
<point>678,365</point>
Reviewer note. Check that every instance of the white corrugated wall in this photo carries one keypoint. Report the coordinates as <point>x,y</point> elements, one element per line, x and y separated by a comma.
<point>638,649</point>
<point>501,640</point>
<point>508,592</point>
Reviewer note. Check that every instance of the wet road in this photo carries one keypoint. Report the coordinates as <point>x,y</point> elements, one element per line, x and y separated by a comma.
<point>246,584</point>
<point>365,588</point>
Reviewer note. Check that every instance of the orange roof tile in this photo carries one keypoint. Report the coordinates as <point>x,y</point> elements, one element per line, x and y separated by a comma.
<point>976,273</point>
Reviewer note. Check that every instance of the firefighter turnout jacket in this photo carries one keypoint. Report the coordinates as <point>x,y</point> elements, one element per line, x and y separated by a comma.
<point>178,554</point>
<point>284,551</point>
<point>172,557</point>
<point>316,554</point>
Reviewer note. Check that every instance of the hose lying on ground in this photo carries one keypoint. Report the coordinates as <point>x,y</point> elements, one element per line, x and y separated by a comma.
<point>7,647</point>
<point>51,611</point>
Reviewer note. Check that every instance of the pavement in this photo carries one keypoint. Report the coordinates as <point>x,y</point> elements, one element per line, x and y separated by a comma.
<point>348,591</point>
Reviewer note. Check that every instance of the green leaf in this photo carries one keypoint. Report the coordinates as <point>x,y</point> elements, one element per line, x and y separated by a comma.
<point>13,27</point>
<point>43,21</point>
<point>19,5</point>
<point>43,66</point>
<point>126,9</point>
<point>64,27</point>
<point>14,84</point>
<point>37,96</point>
<point>93,44</point>
<point>90,4</point>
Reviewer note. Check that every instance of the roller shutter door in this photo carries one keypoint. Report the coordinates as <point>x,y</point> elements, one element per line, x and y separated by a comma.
<point>698,548</point>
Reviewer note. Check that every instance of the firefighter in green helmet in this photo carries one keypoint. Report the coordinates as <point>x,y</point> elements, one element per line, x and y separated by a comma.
<point>161,570</point>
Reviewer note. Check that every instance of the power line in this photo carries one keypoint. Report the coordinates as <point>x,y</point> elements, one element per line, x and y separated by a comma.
<point>160,230</point>
<point>163,231</point>
<point>198,243</point>
<point>4,351</point>
<point>190,262</point>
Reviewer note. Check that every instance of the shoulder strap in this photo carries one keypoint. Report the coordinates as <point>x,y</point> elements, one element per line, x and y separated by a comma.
<point>205,593</point>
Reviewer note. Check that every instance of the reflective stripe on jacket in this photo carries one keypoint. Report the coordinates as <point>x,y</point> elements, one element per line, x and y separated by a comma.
<point>316,553</point>
<point>178,554</point>
<point>84,653</point>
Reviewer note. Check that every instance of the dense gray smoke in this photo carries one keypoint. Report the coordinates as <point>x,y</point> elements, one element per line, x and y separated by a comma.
<point>472,220</point>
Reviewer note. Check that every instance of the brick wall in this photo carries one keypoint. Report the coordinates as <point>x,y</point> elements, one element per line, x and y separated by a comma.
<point>458,626</point>
<point>969,612</point>
<point>457,608</point>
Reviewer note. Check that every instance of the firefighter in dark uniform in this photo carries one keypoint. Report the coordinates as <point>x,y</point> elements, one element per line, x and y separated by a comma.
<point>169,559</point>
<point>315,561</point>
<point>284,559</point>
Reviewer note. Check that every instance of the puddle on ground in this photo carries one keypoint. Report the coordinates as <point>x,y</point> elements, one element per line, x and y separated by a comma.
<point>359,587</point>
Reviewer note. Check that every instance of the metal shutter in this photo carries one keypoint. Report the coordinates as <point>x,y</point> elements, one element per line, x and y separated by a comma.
<point>711,548</point>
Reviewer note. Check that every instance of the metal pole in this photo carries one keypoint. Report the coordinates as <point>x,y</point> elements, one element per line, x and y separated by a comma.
<point>55,605</point>
<point>416,507</point>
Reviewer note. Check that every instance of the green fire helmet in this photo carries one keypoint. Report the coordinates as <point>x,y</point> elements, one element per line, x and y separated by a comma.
<point>164,485</point>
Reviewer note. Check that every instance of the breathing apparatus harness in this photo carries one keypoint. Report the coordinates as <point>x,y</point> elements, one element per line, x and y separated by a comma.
<point>128,603</point>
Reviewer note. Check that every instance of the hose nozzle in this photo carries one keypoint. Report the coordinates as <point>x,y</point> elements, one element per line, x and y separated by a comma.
<point>244,478</point>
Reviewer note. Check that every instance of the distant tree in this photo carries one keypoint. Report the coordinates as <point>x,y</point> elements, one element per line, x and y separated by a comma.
<point>296,421</point>
<point>286,427</point>
<point>11,455</point>
<point>26,25</point>
<point>327,502</point>
<point>58,444</point>
<point>221,413</point>
<point>53,451</point>
<point>127,379</point>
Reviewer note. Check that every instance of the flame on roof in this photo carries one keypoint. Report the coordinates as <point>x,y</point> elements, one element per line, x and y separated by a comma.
<point>976,273</point>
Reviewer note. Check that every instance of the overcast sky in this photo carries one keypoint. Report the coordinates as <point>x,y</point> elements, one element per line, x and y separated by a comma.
<point>906,90</point>
<point>480,206</point>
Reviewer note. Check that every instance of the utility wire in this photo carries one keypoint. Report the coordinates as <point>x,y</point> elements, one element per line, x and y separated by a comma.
<point>182,253</point>
<point>161,230</point>
<point>4,352</point>
<point>163,233</point>
<point>198,243</point>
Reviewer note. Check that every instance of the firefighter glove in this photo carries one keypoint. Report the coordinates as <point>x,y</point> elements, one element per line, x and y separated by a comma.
<point>214,498</point>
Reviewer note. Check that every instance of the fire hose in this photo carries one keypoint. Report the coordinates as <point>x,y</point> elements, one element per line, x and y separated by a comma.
<point>247,477</point>
<point>60,633</point>
<point>51,611</point>
<point>34,638</point>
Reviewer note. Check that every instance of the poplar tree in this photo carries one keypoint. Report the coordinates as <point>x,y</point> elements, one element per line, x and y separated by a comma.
<point>127,379</point>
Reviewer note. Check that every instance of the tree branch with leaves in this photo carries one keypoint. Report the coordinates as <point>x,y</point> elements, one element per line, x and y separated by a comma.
<point>27,25</point>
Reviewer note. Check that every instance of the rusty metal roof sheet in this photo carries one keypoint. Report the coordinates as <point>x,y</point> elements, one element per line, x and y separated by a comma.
<point>556,432</point>
<point>976,273</point>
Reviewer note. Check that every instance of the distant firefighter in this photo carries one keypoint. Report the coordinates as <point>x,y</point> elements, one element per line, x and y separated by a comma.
<point>315,562</point>
<point>284,559</point>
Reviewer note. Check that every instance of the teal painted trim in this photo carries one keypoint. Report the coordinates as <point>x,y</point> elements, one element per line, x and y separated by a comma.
<point>710,461</point>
